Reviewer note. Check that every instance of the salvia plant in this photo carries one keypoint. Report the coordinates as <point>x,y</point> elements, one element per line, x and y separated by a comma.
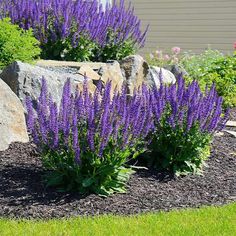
<point>185,120</point>
<point>66,28</point>
<point>86,142</point>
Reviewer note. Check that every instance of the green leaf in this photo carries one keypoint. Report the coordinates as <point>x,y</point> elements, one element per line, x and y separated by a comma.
<point>88,182</point>
<point>54,179</point>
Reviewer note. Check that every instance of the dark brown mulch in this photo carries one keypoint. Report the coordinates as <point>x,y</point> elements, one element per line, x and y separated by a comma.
<point>22,193</point>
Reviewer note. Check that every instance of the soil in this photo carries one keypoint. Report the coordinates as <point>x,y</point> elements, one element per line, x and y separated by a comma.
<point>23,195</point>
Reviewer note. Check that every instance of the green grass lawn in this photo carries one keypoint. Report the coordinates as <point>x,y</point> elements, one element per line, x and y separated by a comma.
<point>205,221</point>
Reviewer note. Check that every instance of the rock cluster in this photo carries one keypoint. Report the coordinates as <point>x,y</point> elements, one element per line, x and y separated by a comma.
<point>25,79</point>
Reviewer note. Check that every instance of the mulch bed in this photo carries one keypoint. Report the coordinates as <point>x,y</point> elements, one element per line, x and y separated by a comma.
<point>23,195</point>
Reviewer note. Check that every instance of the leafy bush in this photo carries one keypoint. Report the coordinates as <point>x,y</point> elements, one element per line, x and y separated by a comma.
<point>185,120</point>
<point>16,44</point>
<point>213,67</point>
<point>114,50</point>
<point>207,68</point>
<point>86,144</point>
<point>201,61</point>
<point>68,28</point>
<point>63,50</point>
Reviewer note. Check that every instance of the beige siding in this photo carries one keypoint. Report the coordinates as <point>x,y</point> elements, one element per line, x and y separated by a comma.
<point>190,24</point>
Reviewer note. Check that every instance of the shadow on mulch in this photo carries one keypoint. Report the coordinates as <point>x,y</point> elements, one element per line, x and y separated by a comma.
<point>23,185</point>
<point>161,177</point>
<point>22,193</point>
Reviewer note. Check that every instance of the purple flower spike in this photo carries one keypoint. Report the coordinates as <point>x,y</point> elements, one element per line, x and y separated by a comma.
<point>30,116</point>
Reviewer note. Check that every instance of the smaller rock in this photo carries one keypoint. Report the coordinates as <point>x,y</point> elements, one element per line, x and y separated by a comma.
<point>135,70</point>
<point>167,76</point>
<point>176,70</point>
<point>89,72</point>
<point>112,71</point>
<point>90,84</point>
<point>219,134</point>
<point>12,119</point>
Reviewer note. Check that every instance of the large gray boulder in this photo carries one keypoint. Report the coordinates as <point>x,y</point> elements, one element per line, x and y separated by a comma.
<point>25,80</point>
<point>12,119</point>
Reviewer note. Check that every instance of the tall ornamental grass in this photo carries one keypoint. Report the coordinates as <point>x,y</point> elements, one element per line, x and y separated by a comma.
<point>78,29</point>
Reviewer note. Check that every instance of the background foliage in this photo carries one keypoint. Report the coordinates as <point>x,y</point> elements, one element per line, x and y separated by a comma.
<point>16,44</point>
<point>213,67</point>
<point>209,67</point>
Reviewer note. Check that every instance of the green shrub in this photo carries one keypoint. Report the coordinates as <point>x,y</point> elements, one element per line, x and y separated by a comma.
<point>179,151</point>
<point>63,50</point>
<point>114,50</point>
<point>213,67</point>
<point>16,44</point>
<point>207,68</point>
<point>197,64</point>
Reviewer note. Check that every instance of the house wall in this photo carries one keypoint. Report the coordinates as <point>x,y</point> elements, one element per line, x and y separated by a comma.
<point>190,24</point>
